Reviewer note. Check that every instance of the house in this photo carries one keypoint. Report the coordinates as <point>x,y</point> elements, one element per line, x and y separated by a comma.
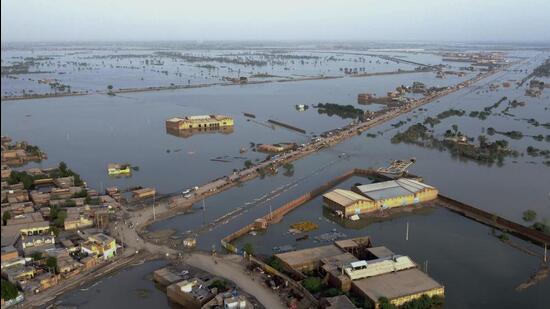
<point>99,245</point>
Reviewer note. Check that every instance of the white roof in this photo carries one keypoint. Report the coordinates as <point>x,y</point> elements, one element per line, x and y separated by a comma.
<point>393,188</point>
<point>361,263</point>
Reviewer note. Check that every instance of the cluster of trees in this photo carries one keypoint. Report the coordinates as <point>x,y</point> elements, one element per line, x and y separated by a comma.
<point>28,180</point>
<point>343,111</point>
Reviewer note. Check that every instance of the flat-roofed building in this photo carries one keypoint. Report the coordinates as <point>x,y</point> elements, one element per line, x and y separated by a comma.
<point>193,293</point>
<point>396,193</point>
<point>199,122</point>
<point>348,203</point>
<point>337,302</point>
<point>99,245</point>
<point>364,269</point>
<point>307,259</point>
<point>398,287</point>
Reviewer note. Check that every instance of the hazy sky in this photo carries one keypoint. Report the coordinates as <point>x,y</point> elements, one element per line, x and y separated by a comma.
<point>430,20</point>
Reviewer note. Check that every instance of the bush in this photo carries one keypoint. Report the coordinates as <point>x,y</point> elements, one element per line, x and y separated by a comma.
<point>529,215</point>
<point>9,290</point>
<point>313,284</point>
<point>248,248</point>
<point>51,262</point>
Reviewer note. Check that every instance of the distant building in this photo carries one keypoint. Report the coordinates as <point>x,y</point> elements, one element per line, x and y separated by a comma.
<point>199,122</point>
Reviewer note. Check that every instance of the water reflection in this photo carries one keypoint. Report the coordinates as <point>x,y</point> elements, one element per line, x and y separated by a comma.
<point>190,132</point>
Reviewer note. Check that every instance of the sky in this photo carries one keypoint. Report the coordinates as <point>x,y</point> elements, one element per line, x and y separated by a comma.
<point>166,20</point>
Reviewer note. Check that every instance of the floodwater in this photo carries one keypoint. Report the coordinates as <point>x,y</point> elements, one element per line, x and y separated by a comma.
<point>137,291</point>
<point>476,268</point>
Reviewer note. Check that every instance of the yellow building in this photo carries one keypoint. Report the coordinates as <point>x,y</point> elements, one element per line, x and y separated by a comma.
<point>396,193</point>
<point>100,245</point>
<point>348,203</point>
<point>199,122</point>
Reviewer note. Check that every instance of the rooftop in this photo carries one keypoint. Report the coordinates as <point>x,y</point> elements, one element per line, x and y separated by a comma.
<point>344,197</point>
<point>392,188</point>
<point>396,284</point>
<point>300,257</point>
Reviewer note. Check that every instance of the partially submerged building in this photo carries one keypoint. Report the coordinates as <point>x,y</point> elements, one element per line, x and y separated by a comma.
<point>381,195</point>
<point>199,122</point>
<point>371,273</point>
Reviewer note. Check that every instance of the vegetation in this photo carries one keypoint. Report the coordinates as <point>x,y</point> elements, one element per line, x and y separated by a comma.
<point>248,248</point>
<point>9,290</point>
<point>221,285</point>
<point>541,227</point>
<point>6,216</point>
<point>424,302</point>
<point>51,262</point>
<point>289,169</point>
<point>449,113</point>
<point>432,121</point>
<point>275,263</point>
<point>37,255</point>
<point>248,164</point>
<point>313,284</point>
<point>529,215</point>
<point>343,111</point>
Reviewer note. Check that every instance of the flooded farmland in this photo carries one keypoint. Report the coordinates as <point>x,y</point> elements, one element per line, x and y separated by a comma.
<point>97,129</point>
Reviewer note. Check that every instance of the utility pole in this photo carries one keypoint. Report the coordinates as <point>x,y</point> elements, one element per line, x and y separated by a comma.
<point>407,233</point>
<point>426,266</point>
<point>270,214</point>
<point>545,253</point>
<point>154,213</point>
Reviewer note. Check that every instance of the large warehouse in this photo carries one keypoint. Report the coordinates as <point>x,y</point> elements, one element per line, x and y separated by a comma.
<point>395,193</point>
<point>348,202</point>
<point>388,194</point>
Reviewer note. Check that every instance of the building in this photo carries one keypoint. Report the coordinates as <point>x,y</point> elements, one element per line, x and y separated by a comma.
<point>370,273</point>
<point>167,276</point>
<point>192,294</point>
<point>99,245</point>
<point>337,302</point>
<point>348,203</point>
<point>143,193</point>
<point>77,219</point>
<point>36,243</point>
<point>364,269</point>
<point>396,193</point>
<point>114,169</point>
<point>398,287</point>
<point>199,122</point>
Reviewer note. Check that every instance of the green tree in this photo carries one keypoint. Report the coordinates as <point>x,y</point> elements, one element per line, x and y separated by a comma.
<point>529,215</point>
<point>313,284</point>
<point>36,255</point>
<point>9,290</point>
<point>51,262</point>
<point>248,164</point>
<point>248,248</point>
<point>6,216</point>
<point>384,303</point>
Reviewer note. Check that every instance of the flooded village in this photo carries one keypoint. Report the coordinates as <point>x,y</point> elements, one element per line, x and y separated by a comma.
<point>285,176</point>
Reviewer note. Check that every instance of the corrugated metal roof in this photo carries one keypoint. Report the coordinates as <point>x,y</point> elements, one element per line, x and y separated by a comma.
<point>392,188</point>
<point>344,197</point>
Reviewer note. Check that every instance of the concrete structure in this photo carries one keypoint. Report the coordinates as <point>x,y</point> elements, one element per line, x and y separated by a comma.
<point>143,193</point>
<point>192,294</point>
<point>99,245</point>
<point>36,243</point>
<point>199,122</point>
<point>166,276</point>
<point>337,302</point>
<point>398,287</point>
<point>348,203</point>
<point>365,269</point>
<point>77,219</point>
<point>396,193</point>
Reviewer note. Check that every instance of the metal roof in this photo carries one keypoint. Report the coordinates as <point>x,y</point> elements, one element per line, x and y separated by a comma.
<point>344,197</point>
<point>392,188</point>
